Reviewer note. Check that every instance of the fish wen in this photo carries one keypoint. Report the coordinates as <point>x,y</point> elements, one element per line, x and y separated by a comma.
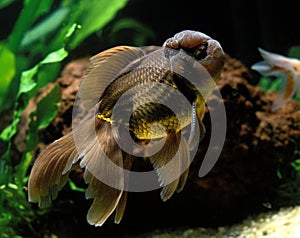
<point>147,78</point>
<point>288,69</point>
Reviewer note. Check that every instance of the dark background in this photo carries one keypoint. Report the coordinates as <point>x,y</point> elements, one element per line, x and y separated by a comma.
<point>240,26</point>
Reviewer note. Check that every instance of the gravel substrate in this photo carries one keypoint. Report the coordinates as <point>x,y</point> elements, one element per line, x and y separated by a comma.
<point>284,223</point>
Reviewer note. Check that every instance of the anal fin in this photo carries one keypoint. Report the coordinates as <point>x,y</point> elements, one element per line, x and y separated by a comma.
<point>171,164</point>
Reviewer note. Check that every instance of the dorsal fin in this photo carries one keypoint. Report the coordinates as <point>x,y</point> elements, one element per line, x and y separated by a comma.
<point>104,68</point>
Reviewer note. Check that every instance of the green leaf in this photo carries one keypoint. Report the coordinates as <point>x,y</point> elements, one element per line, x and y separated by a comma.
<point>29,77</point>
<point>44,28</point>
<point>27,84</point>
<point>31,11</point>
<point>264,83</point>
<point>294,52</point>
<point>48,73</point>
<point>94,16</point>
<point>268,84</point>
<point>32,138</point>
<point>10,130</point>
<point>75,188</point>
<point>7,71</point>
<point>56,56</point>
<point>5,3</point>
<point>28,80</point>
<point>296,165</point>
<point>276,84</point>
<point>21,170</point>
<point>47,108</point>
<point>5,172</point>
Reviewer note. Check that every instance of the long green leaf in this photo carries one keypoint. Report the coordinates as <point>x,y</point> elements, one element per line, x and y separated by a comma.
<point>28,83</point>
<point>94,16</point>
<point>51,23</point>
<point>48,107</point>
<point>7,70</point>
<point>5,3</point>
<point>31,11</point>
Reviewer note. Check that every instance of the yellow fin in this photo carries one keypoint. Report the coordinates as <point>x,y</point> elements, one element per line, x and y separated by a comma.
<point>104,68</point>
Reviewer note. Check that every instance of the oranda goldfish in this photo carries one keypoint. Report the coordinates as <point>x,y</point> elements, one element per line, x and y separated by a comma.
<point>288,69</point>
<point>139,74</point>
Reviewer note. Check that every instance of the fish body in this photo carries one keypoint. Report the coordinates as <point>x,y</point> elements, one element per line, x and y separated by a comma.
<point>144,81</point>
<point>288,69</point>
<point>146,84</point>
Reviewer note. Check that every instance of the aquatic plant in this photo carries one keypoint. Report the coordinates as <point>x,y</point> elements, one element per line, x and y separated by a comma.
<point>31,57</point>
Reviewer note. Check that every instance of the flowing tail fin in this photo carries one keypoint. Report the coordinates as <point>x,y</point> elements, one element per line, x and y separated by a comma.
<point>50,171</point>
<point>120,209</point>
<point>47,175</point>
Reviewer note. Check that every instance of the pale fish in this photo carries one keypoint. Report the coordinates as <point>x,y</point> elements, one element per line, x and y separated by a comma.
<point>288,69</point>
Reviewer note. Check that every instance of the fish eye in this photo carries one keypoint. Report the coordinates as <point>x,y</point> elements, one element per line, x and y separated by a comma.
<point>199,54</point>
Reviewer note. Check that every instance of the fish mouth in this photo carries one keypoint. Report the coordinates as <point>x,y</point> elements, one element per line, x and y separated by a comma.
<point>214,59</point>
<point>214,48</point>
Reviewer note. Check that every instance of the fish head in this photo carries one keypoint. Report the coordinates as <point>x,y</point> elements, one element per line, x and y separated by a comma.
<point>201,47</point>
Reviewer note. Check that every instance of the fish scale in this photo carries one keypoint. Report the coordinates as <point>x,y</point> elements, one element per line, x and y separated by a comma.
<point>130,79</point>
<point>153,69</point>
